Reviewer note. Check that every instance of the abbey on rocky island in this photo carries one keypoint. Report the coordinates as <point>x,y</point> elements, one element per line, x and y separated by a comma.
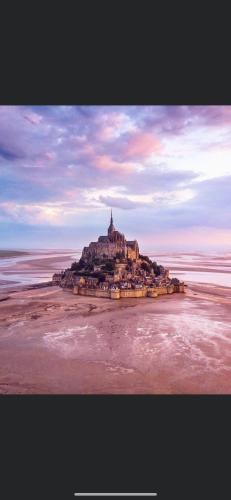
<point>113,267</point>
<point>112,245</point>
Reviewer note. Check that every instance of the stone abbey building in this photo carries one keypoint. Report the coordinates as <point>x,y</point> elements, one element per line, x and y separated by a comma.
<point>112,267</point>
<point>111,245</point>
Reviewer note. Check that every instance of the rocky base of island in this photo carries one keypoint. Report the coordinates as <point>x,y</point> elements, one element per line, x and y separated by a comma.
<point>118,277</point>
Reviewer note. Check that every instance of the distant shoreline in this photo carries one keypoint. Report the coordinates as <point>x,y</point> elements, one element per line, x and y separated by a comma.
<point>4,254</point>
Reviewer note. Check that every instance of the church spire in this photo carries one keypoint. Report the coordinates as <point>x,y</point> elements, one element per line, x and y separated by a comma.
<point>111,227</point>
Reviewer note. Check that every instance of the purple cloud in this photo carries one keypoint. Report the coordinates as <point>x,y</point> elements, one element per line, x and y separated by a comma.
<point>123,203</point>
<point>88,158</point>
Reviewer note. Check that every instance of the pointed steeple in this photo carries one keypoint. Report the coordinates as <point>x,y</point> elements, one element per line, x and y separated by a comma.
<point>111,227</point>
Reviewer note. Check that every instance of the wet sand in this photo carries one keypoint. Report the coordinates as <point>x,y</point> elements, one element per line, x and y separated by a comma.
<point>201,269</point>
<point>53,342</point>
<point>32,268</point>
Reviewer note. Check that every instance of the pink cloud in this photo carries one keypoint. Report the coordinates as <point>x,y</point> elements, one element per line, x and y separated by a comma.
<point>71,194</point>
<point>104,162</point>
<point>112,120</point>
<point>140,145</point>
<point>110,124</point>
<point>106,133</point>
<point>49,155</point>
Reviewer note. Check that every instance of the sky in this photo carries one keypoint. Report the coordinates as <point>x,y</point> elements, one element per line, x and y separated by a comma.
<point>164,170</point>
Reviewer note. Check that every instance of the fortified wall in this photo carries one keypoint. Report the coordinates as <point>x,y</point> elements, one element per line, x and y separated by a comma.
<point>77,290</point>
<point>134,293</point>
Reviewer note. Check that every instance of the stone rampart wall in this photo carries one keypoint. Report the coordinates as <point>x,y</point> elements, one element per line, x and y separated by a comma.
<point>92,292</point>
<point>152,292</point>
<point>133,293</point>
<point>179,288</point>
<point>162,290</point>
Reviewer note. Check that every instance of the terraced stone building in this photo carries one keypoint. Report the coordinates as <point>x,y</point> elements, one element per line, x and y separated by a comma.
<point>111,245</point>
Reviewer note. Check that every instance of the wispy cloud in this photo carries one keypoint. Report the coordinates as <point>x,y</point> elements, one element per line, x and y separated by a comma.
<point>166,167</point>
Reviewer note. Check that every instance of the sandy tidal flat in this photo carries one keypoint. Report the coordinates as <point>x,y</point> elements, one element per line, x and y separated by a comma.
<point>53,342</point>
<point>19,269</point>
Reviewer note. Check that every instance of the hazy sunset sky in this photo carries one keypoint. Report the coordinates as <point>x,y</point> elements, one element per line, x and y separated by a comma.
<point>164,170</point>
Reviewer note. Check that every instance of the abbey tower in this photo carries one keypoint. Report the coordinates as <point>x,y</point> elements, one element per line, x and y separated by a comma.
<point>111,245</point>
